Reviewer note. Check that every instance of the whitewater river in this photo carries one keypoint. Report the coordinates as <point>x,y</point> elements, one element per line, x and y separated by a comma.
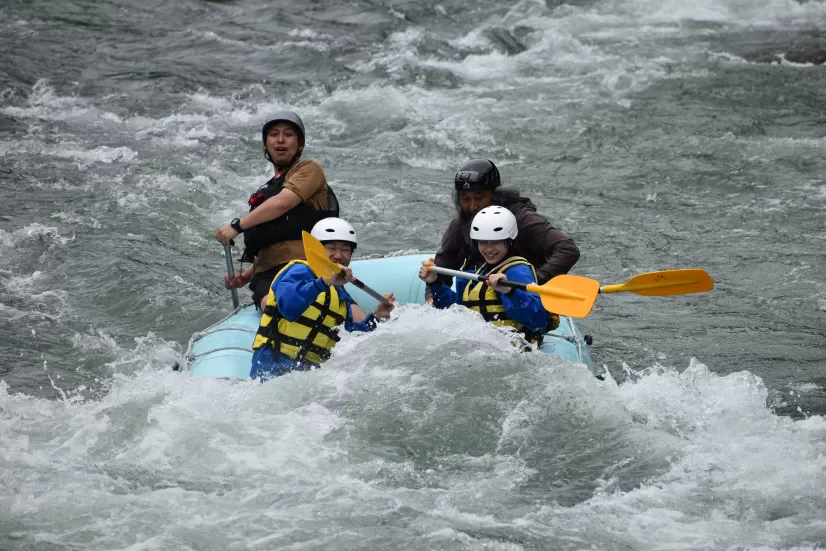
<point>657,134</point>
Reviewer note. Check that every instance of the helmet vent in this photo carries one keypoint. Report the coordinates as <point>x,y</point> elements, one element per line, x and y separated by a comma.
<point>493,223</point>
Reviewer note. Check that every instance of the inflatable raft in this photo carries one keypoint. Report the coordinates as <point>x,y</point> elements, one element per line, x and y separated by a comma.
<point>225,349</point>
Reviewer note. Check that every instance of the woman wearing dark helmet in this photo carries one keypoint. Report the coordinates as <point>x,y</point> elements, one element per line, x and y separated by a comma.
<point>478,185</point>
<point>293,200</point>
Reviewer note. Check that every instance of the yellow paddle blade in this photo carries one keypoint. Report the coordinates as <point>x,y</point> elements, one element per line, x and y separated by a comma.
<point>568,295</point>
<point>316,254</point>
<point>668,282</point>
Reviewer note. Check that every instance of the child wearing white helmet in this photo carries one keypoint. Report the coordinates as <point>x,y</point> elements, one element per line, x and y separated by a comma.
<point>493,230</point>
<point>302,313</point>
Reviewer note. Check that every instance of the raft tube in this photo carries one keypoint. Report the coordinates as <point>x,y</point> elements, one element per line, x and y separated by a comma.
<point>224,350</point>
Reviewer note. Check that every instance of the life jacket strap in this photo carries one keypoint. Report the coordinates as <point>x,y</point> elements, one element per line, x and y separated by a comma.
<point>304,347</point>
<point>324,309</point>
<point>287,227</point>
<point>483,303</point>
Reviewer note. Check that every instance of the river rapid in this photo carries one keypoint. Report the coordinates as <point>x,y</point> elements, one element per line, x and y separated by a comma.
<point>658,135</point>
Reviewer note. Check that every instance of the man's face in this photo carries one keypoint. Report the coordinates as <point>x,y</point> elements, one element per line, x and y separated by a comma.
<point>340,252</point>
<point>472,202</point>
<point>282,143</point>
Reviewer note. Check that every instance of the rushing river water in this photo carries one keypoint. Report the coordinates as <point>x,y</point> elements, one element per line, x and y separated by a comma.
<point>658,135</point>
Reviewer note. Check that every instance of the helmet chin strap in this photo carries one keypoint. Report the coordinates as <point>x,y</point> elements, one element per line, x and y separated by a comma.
<point>280,169</point>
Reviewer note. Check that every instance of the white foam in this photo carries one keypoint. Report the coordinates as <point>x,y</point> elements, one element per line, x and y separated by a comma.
<point>432,117</point>
<point>735,13</point>
<point>213,103</point>
<point>736,466</point>
<point>729,58</point>
<point>44,104</point>
<point>780,60</point>
<point>804,387</point>
<point>74,218</point>
<point>133,201</point>
<point>310,446</point>
<point>429,161</point>
<point>306,33</point>
<point>786,63</point>
<point>34,231</point>
<point>98,342</point>
<point>102,154</point>
<point>312,40</point>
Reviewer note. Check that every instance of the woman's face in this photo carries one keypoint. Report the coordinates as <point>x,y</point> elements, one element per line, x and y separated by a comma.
<point>493,251</point>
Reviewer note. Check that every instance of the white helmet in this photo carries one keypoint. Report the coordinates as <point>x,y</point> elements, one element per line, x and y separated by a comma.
<point>493,224</point>
<point>334,229</point>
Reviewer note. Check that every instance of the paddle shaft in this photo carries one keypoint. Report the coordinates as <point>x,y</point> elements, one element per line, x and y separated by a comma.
<point>321,264</point>
<point>376,295</point>
<point>477,277</point>
<point>231,272</point>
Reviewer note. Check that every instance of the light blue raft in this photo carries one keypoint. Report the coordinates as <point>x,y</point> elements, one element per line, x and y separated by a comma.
<point>225,349</point>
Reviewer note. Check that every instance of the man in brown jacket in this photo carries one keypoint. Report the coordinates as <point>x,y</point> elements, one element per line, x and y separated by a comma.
<point>477,184</point>
<point>293,200</point>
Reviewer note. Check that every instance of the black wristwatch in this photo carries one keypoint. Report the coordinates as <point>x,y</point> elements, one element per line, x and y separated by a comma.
<point>236,225</point>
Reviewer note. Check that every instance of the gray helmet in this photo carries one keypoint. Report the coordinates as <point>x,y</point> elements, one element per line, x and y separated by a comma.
<point>285,116</point>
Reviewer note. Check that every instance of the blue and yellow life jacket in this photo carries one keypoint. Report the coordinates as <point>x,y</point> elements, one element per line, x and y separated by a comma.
<point>312,336</point>
<point>480,297</point>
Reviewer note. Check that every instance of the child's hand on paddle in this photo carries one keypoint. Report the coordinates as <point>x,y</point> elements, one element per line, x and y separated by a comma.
<point>344,275</point>
<point>493,282</point>
<point>382,311</point>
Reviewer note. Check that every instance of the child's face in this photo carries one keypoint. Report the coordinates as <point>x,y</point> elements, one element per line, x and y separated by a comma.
<point>339,252</point>
<point>493,251</point>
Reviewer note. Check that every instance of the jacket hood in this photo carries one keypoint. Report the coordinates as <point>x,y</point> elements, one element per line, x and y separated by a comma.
<point>509,197</point>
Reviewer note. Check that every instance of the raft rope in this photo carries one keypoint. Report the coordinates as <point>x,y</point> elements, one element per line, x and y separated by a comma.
<point>190,357</point>
<point>572,338</point>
